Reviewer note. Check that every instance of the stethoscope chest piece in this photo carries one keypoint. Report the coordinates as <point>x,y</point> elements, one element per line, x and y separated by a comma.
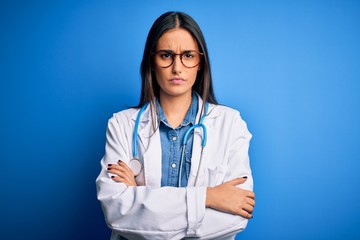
<point>135,166</point>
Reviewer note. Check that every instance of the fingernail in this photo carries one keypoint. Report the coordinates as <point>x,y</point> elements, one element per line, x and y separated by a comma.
<point>119,161</point>
<point>112,176</point>
<point>108,169</point>
<point>109,165</point>
<point>244,177</point>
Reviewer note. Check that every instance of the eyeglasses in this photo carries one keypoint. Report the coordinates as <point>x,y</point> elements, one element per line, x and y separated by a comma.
<point>165,58</point>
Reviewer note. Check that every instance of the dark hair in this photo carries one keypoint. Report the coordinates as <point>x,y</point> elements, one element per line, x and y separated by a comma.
<point>167,21</point>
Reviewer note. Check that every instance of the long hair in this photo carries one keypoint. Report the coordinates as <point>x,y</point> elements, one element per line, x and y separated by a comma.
<point>149,86</point>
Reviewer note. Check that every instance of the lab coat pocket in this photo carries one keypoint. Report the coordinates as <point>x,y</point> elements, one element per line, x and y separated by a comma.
<point>214,175</point>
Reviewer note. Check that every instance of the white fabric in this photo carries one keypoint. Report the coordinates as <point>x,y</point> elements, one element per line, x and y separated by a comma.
<point>149,211</point>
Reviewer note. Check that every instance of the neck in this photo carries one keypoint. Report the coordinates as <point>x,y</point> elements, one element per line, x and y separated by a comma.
<point>175,108</point>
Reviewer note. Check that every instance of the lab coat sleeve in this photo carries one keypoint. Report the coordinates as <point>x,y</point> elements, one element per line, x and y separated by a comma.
<point>143,212</point>
<point>220,225</point>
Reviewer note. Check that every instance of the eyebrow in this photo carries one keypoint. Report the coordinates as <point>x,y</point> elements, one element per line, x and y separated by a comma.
<point>171,51</point>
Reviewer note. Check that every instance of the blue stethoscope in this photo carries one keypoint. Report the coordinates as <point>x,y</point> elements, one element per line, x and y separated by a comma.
<point>135,164</point>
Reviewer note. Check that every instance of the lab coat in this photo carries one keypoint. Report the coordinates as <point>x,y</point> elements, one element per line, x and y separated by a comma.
<point>150,211</point>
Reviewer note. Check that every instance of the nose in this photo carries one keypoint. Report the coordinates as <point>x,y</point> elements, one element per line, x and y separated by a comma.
<point>177,65</point>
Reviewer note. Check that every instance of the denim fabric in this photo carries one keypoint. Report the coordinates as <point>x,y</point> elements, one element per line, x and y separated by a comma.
<point>171,145</point>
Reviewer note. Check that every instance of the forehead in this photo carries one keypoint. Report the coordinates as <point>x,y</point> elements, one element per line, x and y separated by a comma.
<point>177,39</point>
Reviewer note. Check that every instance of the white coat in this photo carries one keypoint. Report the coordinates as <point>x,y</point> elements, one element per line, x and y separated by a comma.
<point>150,211</point>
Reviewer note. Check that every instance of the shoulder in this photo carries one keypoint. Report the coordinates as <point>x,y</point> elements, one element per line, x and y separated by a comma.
<point>227,117</point>
<point>127,113</point>
<point>223,111</point>
<point>123,117</point>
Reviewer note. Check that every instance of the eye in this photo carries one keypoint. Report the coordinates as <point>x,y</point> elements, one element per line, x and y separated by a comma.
<point>165,55</point>
<point>188,55</point>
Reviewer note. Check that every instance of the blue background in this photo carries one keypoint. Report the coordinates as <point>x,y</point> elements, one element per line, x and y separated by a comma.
<point>291,67</point>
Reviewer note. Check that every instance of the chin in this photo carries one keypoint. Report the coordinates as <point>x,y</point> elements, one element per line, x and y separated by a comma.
<point>176,93</point>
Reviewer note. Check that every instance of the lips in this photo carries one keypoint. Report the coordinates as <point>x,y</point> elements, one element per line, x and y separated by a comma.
<point>177,80</point>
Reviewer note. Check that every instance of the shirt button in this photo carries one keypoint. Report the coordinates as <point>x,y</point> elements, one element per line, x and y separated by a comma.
<point>174,138</point>
<point>173,165</point>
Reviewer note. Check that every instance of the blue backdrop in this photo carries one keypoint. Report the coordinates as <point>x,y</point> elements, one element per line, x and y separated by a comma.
<point>291,67</point>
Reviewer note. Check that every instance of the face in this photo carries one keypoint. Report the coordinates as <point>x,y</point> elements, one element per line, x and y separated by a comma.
<point>177,79</point>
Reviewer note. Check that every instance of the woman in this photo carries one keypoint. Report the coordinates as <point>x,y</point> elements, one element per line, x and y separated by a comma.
<point>198,187</point>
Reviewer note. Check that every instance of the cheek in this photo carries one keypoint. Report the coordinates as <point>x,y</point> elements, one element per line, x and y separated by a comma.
<point>159,75</point>
<point>194,74</point>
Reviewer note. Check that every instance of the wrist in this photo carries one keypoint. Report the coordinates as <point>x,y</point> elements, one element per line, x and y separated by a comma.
<point>209,197</point>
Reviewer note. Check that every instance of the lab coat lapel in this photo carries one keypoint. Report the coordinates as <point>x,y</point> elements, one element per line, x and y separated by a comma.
<point>149,151</point>
<point>196,150</point>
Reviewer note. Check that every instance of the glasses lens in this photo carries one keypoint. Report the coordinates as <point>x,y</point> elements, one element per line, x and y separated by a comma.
<point>190,59</point>
<point>164,59</point>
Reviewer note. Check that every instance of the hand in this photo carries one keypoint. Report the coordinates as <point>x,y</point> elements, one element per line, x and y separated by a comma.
<point>230,199</point>
<point>122,173</point>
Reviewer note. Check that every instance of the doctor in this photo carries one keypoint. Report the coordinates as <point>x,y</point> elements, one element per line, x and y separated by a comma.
<point>176,166</point>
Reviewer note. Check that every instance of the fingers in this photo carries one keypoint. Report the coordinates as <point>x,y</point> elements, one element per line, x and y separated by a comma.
<point>237,181</point>
<point>126,169</point>
<point>245,214</point>
<point>128,182</point>
<point>251,195</point>
<point>117,170</point>
<point>246,204</point>
<point>243,200</point>
<point>120,168</point>
<point>246,208</point>
<point>122,173</point>
<point>247,211</point>
<point>251,202</point>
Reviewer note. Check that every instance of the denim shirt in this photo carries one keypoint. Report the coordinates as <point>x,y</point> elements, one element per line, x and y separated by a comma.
<point>171,145</point>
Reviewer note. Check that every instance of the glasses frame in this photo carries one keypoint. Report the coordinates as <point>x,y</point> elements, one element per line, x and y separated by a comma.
<point>180,55</point>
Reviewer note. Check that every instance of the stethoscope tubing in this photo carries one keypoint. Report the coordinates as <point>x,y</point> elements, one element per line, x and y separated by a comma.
<point>135,134</point>
<point>203,144</point>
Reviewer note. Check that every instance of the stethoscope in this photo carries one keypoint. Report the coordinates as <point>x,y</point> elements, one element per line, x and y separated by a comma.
<point>135,163</point>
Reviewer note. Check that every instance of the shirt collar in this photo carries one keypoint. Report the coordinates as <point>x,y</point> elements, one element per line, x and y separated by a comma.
<point>190,116</point>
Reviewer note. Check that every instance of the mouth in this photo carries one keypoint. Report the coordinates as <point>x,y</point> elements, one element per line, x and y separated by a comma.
<point>177,80</point>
